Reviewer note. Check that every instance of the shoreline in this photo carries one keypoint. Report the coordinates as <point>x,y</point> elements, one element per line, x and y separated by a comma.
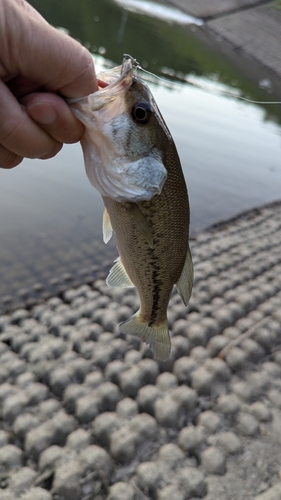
<point>251,28</point>
<point>31,296</point>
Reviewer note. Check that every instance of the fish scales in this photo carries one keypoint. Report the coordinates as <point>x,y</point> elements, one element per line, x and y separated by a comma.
<point>146,205</point>
<point>155,270</point>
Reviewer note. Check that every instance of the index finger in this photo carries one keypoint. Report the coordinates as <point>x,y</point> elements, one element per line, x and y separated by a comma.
<point>18,133</point>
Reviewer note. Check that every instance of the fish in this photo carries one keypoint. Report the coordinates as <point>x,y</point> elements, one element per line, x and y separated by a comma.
<point>131,159</point>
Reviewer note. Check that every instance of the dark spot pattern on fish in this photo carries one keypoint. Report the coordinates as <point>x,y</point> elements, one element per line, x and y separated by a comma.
<point>156,291</point>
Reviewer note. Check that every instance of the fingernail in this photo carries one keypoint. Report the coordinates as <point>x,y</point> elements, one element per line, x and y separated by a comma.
<point>42,113</point>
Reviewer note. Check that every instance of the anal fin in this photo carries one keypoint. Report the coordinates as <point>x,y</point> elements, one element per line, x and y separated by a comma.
<point>118,276</point>
<point>185,282</point>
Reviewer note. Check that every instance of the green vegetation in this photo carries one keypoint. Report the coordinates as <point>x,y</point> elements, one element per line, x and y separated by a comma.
<point>154,43</point>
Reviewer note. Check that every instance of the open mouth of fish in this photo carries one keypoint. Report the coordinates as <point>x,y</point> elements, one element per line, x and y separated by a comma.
<point>117,74</point>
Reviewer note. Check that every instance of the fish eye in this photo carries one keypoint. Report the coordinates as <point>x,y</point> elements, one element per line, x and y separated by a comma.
<point>141,113</point>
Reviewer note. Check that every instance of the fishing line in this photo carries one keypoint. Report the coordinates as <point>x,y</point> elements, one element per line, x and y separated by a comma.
<point>229,94</point>
<point>198,86</point>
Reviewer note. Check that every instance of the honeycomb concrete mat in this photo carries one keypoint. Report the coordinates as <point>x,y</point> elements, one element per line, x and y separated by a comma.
<point>87,413</point>
<point>251,27</point>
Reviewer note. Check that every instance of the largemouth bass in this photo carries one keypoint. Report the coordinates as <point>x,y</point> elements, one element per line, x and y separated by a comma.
<point>131,159</point>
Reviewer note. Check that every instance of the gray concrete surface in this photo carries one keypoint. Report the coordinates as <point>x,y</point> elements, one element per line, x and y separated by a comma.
<point>86,413</point>
<point>252,28</point>
<point>205,9</point>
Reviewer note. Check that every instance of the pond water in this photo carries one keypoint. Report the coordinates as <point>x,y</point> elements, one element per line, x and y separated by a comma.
<point>50,217</point>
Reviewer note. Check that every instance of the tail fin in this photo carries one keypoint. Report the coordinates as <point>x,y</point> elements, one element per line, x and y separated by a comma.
<point>156,336</point>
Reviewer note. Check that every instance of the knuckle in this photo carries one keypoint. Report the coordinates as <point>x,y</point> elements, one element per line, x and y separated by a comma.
<point>9,160</point>
<point>10,129</point>
<point>24,139</point>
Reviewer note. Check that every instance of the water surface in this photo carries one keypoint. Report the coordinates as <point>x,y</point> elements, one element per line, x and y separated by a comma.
<point>50,217</point>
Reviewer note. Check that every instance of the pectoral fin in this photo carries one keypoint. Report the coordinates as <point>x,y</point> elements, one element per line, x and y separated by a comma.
<point>185,282</point>
<point>141,223</point>
<point>106,226</point>
<point>118,276</point>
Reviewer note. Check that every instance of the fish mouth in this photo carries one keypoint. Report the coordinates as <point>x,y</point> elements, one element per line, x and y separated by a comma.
<point>112,79</point>
<point>129,64</point>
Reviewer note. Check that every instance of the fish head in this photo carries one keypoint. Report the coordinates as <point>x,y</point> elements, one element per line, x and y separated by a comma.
<point>125,137</point>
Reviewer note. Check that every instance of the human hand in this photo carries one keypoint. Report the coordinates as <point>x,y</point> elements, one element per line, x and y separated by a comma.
<point>39,65</point>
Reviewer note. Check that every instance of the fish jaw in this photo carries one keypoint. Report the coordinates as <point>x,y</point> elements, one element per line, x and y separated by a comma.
<point>121,160</point>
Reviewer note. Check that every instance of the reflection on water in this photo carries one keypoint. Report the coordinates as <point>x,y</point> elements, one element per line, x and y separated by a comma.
<point>50,217</point>
<point>168,14</point>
